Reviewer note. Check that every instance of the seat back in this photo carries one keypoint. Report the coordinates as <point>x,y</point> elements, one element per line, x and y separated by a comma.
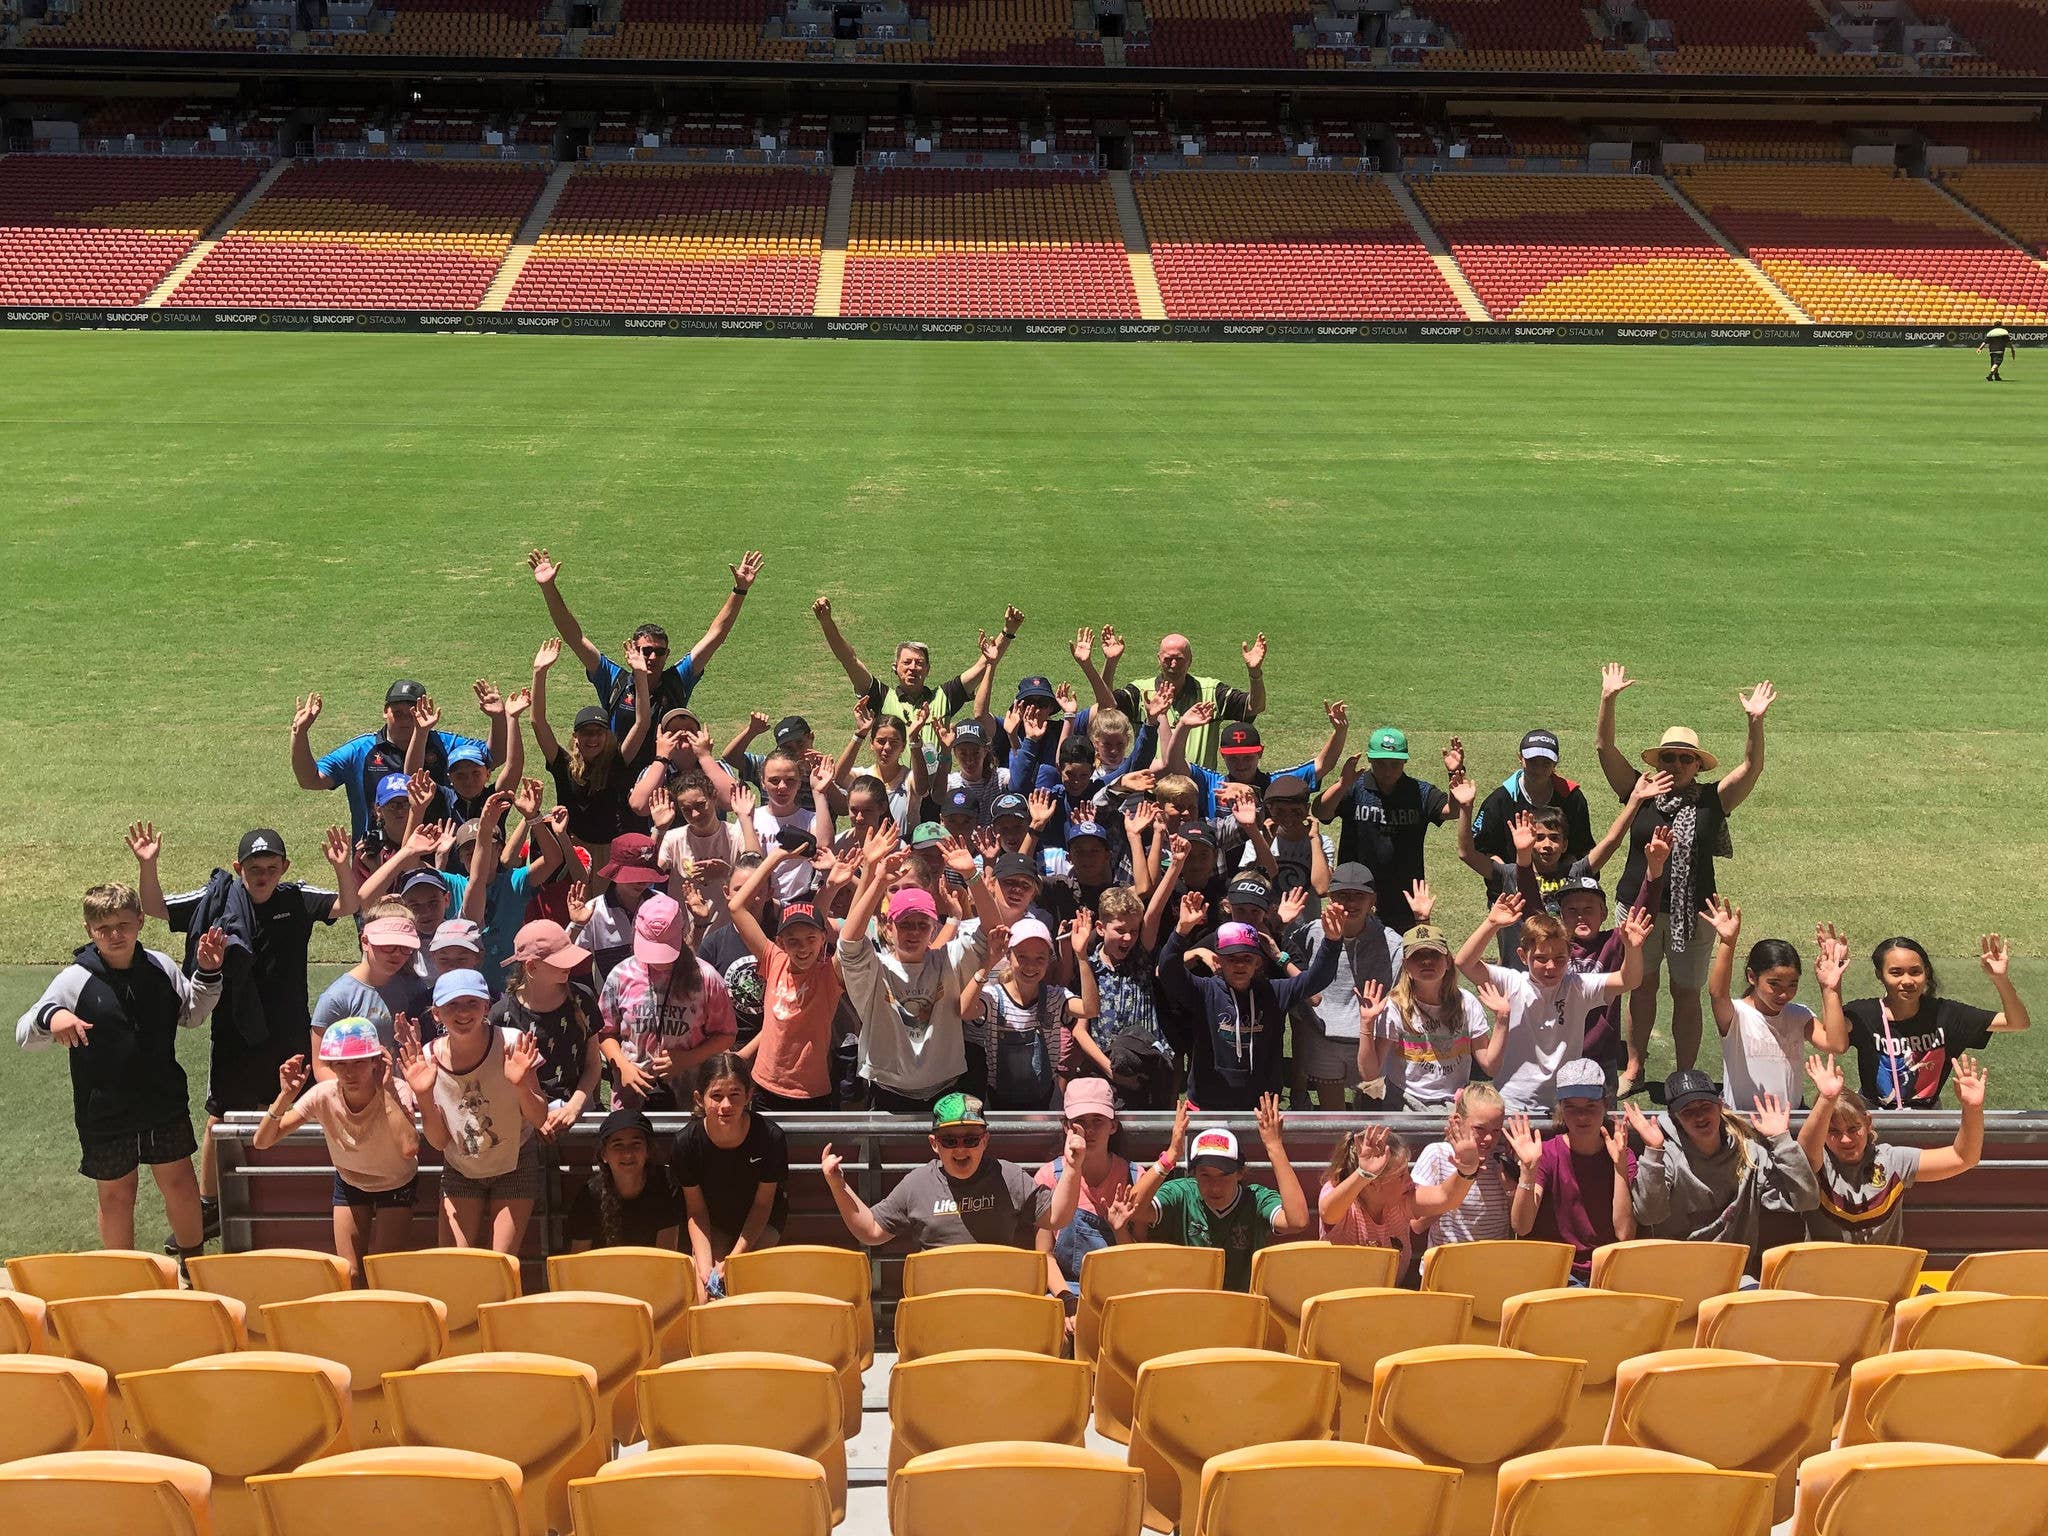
<point>1626,1491</point>
<point>664,1279</point>
<point>1288,1274</point>
<point>50,1405</point>
<point>258,1278</point>
<point>1911,1488</point>
<point>1198,1403</point>
<point>108,1272</point>
<point>1791,1325</point>
<point>238,1415</point>
<point>613,1335</point>
<point>1139,1325</point>
<point>370,1333</point>
<point>96,1493</point>
<point>1949,1397</point>
<point>392,1488</point>
<point>22,1327</point>
<point>704,1488</point>
<point>1127,1267</point>
<point>144,1331</point>
<point>1491,1272</point>
<point>463,1280</point>
<point>842,1274</point>
<point>812,1326</point>
<point>1321,1485</point>
<point>963,1397</point>
<point>2014,1272</point>
<point>1873,1270</point>
<point>978,1319</point>
<point>1005,1487</point>
<point>774,1401</point>
<point>1663,1266</point>
<point>2013,1327</point>
<point>1602,1328</point>
<point>1355,1329</point>
<point>975,1266</point>
<point>1471,1406</point>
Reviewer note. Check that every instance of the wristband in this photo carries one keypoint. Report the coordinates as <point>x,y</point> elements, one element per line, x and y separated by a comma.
<point>1164,1162</point>
<point>1534,1189</point>
<point>739,591</point>
<point>1463,1174</point>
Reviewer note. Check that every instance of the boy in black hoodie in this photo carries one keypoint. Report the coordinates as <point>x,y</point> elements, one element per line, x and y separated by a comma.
<point>118,1008</point>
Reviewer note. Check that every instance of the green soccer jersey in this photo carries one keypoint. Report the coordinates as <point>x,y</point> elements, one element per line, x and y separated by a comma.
<point>1246,1226</point>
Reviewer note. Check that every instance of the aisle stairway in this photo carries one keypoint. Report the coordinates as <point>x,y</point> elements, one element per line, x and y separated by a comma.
<point>1137,250</point>
<point>832,262</point>
<point>1468,300</point>
<point>523,243</point>
<point>197,254</point>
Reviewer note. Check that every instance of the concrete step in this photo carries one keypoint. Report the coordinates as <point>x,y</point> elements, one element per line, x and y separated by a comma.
<point>523,242</point>
<point>1755,273</point>
<point>1461,288</point>
<point>1137,249</point>
<point>832,263</point>
<point>226,222</point>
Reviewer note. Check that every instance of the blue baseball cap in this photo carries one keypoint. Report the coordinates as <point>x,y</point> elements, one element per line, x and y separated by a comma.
<point>469,752</point>
<point>1076,830</point>
<point>391,787</point>
<point>453,984</point>
<point>1035,688</point>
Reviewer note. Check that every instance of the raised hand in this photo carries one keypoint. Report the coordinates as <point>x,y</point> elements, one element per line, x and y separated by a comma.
<point>958,857</point>
<point>1081,932</point>
<point>1042,806</point>
<point>336,847</point>
<point>1971,1081</point>
<point>1245,810</point>
<point>1372,1002</point>
<point>1613,679</point>
<point>1421,900</point>
<point>1494,1000</point>
<point>304,712</point>
<point>747,572</point>
<point>1524,1141</point>
<point>1650,786</point>
<point>423,841</point>
<point>830,1163</point>
<point>212,949</point>
<point>1636,926</point>
<point>1757,701</point>
<point>661,808</point>
<point>1463,791</point>
<point>426,713</point>
<point>518,702</point>
<point>543,566</point>
<point>1724,917</point>
<point>522,1060</point>
<point>1293,902</point>
<point>1083,647</point>
<point>1454,757</point>
<point>1076,1146</point>
<point>1194,907</point>
<point>822,779</point>
<point>1339,714</point>
<point>1254,653</point>
<point>415,1062</point>
<point>1615,1134</point>
<point>821,608</point>
<point>1372,1148</point>
<point>1177,1145</point>
<point>1200,714</point>
<point>422,793</point>
<point>1122,1207</point>
<point>1507,911</point>
<point>527,801</point>
<point>920,722</point>
<point>1013,619</point>
<point>1771,1115</point>
<point>1995,956</point>
<point>1648,1131</point>
<point>549,652</point>
<point>578,902</point>
<point>990,646</point>
<point>1657,853</point>
<point>879,844</point>
<point>1825,1073</point>
<point>1332,925</point>
<point>143,842</point>
<point>291,1077</point>
<point>1271,1122</point>
<point>1139,815</point>
<point>863,716</point>
<point>488,699</point>
<point>1068,701</point>
<point>558,819</point>
<point>745,802</point>
<point>987,844</point>
<point>1522,831</point>
<point>1832,963</point>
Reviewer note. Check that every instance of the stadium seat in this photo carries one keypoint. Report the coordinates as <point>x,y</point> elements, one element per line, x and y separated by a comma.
<point>2018,1272</point>
<point>664,1279</point>
<point>2012,1327</point>
<point>777,1402</point>
<point>392,1488</point>
<point>50,1405</point>
<point>1198,1403</point>
<point>369,1332</point>
<point>1885,1274</point>
<point>144,1331</point>
<point>1471,1406</point>
<point>1109,1272</point>
<point>1491,1272</point>
<point>1733,1409</point>
<point>1626,1491</point>
<point>1005,1488</point>
<point>1662,1266</point>
<point>1322,1485</point>
<point>539,1412</point>
<point>704,1488</point>
<point>93,1493</point>
<point>257,1278</point>
<point>1288,1274</point>
<point>613,1335</point>
<point>108,1272</point>
<point>1142,1325</point>
<point>1949,1397</point>
<point>239,1416</point>
<point>1907,1488</point>
<point>843,1274</point>
<point>1602,1328</point>
<point>962,1397</point>
<point>1355,1329</point>
<point>22,1325</point>
<point>463,1280</point>
<point>975,1266</point>
<point>791,1323</point>
<point>978,1319</point>
<point>1787,1325</point>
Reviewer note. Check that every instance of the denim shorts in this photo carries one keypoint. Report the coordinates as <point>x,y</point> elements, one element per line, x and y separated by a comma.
<point>402,1198</point>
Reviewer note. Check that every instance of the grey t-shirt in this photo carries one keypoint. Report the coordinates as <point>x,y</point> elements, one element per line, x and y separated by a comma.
<point>1000,1204</point>
<point>1866,1204</point>
<point>347,998</point>
<point>1374,955</point>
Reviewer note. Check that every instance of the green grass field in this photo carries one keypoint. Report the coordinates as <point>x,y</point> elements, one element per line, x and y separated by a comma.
<point>1452,539</point>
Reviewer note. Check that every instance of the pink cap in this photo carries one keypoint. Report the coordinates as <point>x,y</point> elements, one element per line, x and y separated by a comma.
<point>391,930</point>
<point>1028,929</point>
<point>1236,936</point>
<point>658,930</point>
<point>910,902</point>
<point>546,942</point>
<point>1089,1096</point>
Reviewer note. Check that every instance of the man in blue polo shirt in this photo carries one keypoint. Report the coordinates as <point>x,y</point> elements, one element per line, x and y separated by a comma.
<point>361,763</point>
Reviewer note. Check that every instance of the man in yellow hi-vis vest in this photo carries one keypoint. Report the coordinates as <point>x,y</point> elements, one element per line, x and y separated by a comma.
<point>1185,690</point>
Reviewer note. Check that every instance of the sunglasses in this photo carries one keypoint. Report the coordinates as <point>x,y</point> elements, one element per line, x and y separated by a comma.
<point>961,1143</point>
<point>1676,759</point>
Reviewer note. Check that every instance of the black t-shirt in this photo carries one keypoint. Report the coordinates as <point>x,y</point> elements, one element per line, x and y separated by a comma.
<point>1385,832</point>
<point>265,1010</point>
<point>1706,833</point>
<point>595,816</point>
<point>727,953</point>
<point>563,1035</point>
<point>1923,1049</point>
<point>729,1178</point>
<point>1490,827</point>
<point>641,1220</point>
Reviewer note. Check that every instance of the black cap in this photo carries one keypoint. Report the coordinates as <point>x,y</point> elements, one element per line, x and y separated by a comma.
<point>1352,876</point>
<point>1077,749</point>
<point>258,842</point>
<point>1036,688</point>
<point>1249,891</point>
<point>1687,1087</point>
<point>625,1120</point>
<point>971,733</point>
<point>958,803</point>
<point>1010,866</point>
<point>1009,804</point>
<point>1574,884</point>
<point>405,691</point>
<point>1539,744</point>
<point>1197,832</point>
<point>794,912</point>
<point>791,728</point>
<point>591,714</point>
<point>1239,740</point>
<point>421,877</point>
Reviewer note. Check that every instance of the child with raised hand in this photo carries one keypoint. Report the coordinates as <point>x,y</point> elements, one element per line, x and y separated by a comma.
<point>1019,1028</point>
<point>117,1009</point>
<point>1764,1032</point>
<point>370,1137</point>
<point>1863,1181</point>
<point>1124,1041</point>
<point>547,999</point>
<point>1709,1174</point>
<point>1906,1038</point>
<point>731,1166</point>
<point>1217,1207</point>
<point>1578,1187</point>
<point>664,1009</point>
<point>1369,1199</point>
<point>593,781</point>
<point>1478,1115</point>
<point>494,897</point>
<point>480,1107</point>
<point>1420,1038</point>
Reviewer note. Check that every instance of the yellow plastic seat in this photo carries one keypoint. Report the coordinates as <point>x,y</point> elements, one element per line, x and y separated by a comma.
<point>144,1331</point>
<point>1790,1325</point>
<point>1471,1406</point>
<point>401,1488</point>
<point>613,1335</point>
<point>776,1402</point>
<point>371,1333</point>
<point>463,1280</point>
<point>1007,1488</point>
<point>105,1493</point>
<point>664,1279</point>
<point>1288,1274</point>
<point>268,1274</point>
<point>108,1272</point>
<point>1142,1325</point>
<point>704,1488</point>
<point>1662,1266</point>
<point>2012,1327</point>
<point>975,1266</point>
<point>2015,1272</point>
<point>791,1323</point>
<point>1322,1485</point>
<point>1602,1328</point>
<point>1491,1272</point>
<point>1198,1403</point>
<point>1626,1491</point>
<point>1872,1270</point>
<point>1732,1409</point>
<point>963,1397</point>
<point>1354,1329</point>
<point>23,1329</point>
<point>1949,1397</point>
<point>50,1405</point>
<point>978,1319</point>
<point>1910,1488</point>
<point>241,1415</point>
<point>1127,1267</point>
<point>842,1274</point>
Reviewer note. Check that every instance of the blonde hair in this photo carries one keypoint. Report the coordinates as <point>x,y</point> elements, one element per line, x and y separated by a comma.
<point>1476,1096</point>
<point>1120,903</point>
<point>1108,722</point>
<point>1177,787</point>
<point>388,906</point>
<point>110,900</point>
<point>1404,999</point>
<point>1541,928</point>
